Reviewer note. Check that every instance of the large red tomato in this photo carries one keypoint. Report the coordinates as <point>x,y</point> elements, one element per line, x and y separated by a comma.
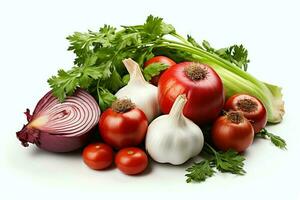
<point>251,107</point>
<point>158,59</point>
<point>123,125</point>
<point>201,84</point>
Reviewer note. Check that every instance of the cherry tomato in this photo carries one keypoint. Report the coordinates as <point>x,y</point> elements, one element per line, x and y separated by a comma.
<point>201,84</point>
<point>251,107</point>
<point>98,156</point>
<point>131,160</point>
<point>232,131</point>
<point>159,59</point>
<point>123,128</point>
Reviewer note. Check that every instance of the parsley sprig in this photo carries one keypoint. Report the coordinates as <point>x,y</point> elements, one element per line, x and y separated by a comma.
<point>225,162</point>
<point>276,140</point>
<point>236,54</point>
<point>199,172</point>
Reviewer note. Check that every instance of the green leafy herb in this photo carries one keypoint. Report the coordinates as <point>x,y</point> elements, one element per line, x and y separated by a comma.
<point>230,161</point>
<point>126,79</point>
<point>113,83</point>
<point>105,98</point>
<point>235,54</point>
<point>276,140</point>
<point>226,162</point>
<point>156,28</point>
<point>65,83</point>
<point>99,58</point>
<point>154,69</point>
<point>191,40</point>
<point>206,45</point>
<point>85,44</point>
<point>200,171</point>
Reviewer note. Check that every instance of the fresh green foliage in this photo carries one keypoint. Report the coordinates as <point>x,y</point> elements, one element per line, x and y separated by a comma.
<point>236,54</point>
<point>65,83</point>
<point>276,140</point>
<point>105,98</point>
<point>155,28</point>
<point>99,56</point>
<point>84,45</point>
<point>200,171</point>
<point>154,69</point>
<point>104,50</point>
<point>126,79</point>
<point>226,162</point>
<point>230,161</point>
<point>191,40</point>
<point>92,64</point>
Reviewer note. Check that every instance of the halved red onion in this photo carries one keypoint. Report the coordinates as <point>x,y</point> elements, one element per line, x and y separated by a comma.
<point>61,127</point>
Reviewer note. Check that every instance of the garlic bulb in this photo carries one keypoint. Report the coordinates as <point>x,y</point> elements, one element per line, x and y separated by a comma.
<point>173,138</point>
<point>141,93</point>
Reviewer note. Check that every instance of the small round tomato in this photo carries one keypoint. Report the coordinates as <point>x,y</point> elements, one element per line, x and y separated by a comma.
<point>131,160</point>
<point>232,131</point>
<point>123,125</point>
<point>98,156</point>
<point>159,59</point>
<point>251,108</point>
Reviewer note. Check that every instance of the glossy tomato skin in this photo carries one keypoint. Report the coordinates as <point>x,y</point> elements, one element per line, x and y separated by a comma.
<point>98,156</point>
<point>228,135</point>
<point>131,160</point>
<point>123,129</point>
<point>258,117</point>
<point>205,97</point>
<point>159,59</point>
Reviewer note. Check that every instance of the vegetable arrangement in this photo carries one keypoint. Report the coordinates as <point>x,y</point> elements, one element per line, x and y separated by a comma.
<point>174,98</point>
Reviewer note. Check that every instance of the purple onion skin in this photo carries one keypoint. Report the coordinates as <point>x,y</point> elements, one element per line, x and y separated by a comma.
<point>50,141</point>
<point>61,144</point>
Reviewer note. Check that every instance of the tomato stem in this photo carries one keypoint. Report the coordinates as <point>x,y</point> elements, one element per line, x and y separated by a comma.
<point>122,106</point>
<point>235,117</point>
<point>130,152</point>
<point>247,105</point>
<point>196,72</point>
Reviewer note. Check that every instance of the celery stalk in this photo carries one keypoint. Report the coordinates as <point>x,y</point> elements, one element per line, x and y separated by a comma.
<point>270,95</point>
<point>236,80</point>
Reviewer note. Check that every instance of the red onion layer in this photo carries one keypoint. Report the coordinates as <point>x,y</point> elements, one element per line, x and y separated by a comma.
<point>61,127</point>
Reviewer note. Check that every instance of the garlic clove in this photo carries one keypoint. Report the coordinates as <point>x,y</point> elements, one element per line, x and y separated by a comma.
<point>142,93</point>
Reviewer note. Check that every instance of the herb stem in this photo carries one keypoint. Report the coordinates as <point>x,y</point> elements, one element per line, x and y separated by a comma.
<point>182,39</point>
<point>215,58</point>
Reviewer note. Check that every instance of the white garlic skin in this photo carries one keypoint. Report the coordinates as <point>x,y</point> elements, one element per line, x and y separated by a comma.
<point>143,96</point>
<point>173,139</point>
<point>139,91</point>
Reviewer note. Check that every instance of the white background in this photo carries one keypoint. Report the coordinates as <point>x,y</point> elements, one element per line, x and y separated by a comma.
<point>33,47</point>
